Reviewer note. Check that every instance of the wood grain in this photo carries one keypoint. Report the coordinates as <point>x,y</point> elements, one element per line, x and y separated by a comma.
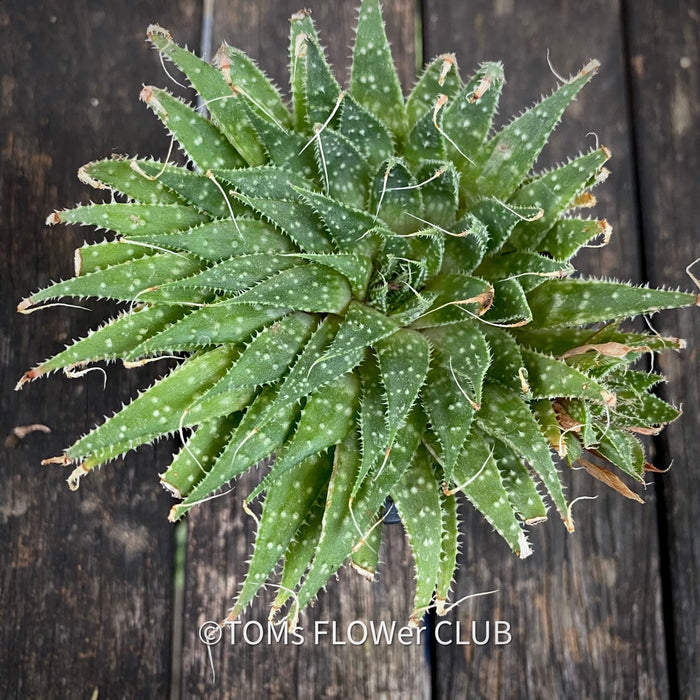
<point>582,604</point>
<point>86,578</point>
<point>665,87</point>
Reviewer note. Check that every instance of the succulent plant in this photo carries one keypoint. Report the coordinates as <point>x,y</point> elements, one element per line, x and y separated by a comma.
<point>373,294</point>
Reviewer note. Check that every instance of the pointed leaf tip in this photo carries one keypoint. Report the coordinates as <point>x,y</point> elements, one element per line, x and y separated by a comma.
<point>374,82</point>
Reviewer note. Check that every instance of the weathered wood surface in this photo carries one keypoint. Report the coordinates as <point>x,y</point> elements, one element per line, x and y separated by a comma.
<point>87,582</point>
<point>86,578</point>
<point>665,95</point>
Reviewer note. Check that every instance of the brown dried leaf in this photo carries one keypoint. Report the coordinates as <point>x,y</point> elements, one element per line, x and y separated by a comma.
<point>610,349</point>
<point>609,479</point>
<point>19,432</point>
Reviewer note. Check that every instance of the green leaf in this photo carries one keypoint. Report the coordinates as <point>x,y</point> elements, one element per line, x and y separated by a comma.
<point>160,410</point>
<point>252,441</point>
<point>117,175</point>
<point>265,182</point>
<point>296,384</point>
<point>466,249</point>
<point>99,256</point>
<point>425,141</point>
<point>434,256</point>
<point>641,342</point>
<point>235,398</point>
<point>449,549</point>
<point>337,531</point>
<point>509,304</point>
<point>114,339</point>
<point>348,227</point>
<point>326,418</point>
<point>220,240</point>
<point>648,411</point>
<point>283,148</point>
<point>374,437</point>
<point>373,79</point>
<point>365,560</point>
<point>554,341</point>
<point>631,384</point>
<point>553,192</point>
<point>321,363</point>
<point>417,499</point>
<point>124,282</point>
<point>131,219</point>
<point>576,302</point>
<point>440,77</point>
<point>506,417</point>
<point>506,358</point>
<point>206,194</point>
<point>343,168</point>
<point>301,28</point>
<point>267,357</point>
<point>314,288</point>
<point>223,322</point>
<point>280,520</point>
<point>235,275</point>
<point>224,104</point>
<point>404,358</point>
<point>296,220</point>
<point>598,364</point>
<point>366,131</point>
<point>549,378</point>
<point>440,194</point>
<point>192,462</point>
<point>530,269</point>
<point>449,413</point>
<point>198,137</point>
<point>241,72</point>
<point>461,297</point>
<point>299,555</point>
<point>510,154</point>
<point>103,456</point>
<point>382,479</point>
<point>623,450</point>
<point>343,531</point>
<point>580,412</point>
<point>413,308</point>
<point>477,476</point>
<point>393,193</point>
<point>546,417</point>
<point>321,89</point>
<point>519,486</point>
<point>467,118</point>
<point>355,268</point>
<point>568,236</point>
<point>500,219</point>
<point>410,260</point>
<point>464,351</point>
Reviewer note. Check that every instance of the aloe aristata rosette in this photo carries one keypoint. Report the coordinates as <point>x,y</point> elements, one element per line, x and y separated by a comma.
<point>375,290</point>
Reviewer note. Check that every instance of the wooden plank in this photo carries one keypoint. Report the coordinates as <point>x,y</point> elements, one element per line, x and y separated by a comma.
<point>220,535</point>
<point>667,120</point>
<point>86,578</point>
<point>585,610</point>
